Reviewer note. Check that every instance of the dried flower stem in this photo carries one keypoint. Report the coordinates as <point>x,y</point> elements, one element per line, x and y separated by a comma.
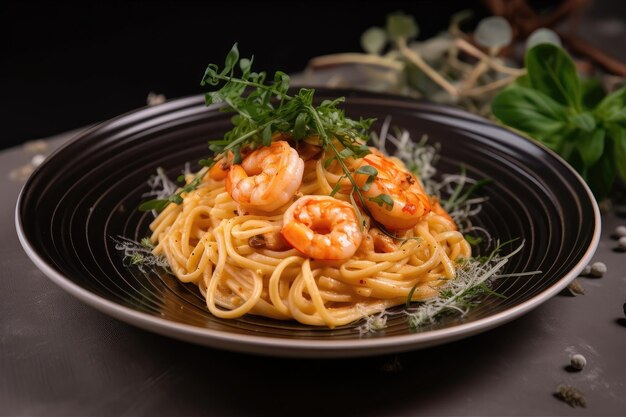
<point>355,58</point>
<point>493,63</point>
<point>487,88</point>
<point>427,69</point>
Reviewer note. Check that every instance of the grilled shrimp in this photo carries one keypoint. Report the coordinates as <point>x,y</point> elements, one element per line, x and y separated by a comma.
<point>410,202</point>
<point>267,178</point>
<point>322,227</point>
<point>220,169</point>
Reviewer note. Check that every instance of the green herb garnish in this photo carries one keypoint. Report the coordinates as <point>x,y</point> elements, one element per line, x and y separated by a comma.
<point>263,108</point>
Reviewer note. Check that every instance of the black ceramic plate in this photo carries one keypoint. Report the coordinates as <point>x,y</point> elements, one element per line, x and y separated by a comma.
<point>88,192</point>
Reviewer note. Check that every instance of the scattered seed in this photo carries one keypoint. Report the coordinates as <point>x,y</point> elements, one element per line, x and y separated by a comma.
<point>621,243</point>
<point>570,395</point>
<point>576,288</point>
<point>578,361</point>
<point>598,269</point>
<point>620,231</point>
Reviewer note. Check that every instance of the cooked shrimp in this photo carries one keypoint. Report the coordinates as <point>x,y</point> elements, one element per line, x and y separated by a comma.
<point>322,227</point>
<point>219,170</point>
<point>410,202</point>
<point>267,178</point>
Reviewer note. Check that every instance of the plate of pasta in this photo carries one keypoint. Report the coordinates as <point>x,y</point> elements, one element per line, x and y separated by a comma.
<point>313,226</point>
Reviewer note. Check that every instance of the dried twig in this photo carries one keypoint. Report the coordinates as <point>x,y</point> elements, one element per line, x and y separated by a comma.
<point>488,88</point>
<point>600,58</point>
<point>416,59</point>
<point>493,63</point>
<point>355,58</point>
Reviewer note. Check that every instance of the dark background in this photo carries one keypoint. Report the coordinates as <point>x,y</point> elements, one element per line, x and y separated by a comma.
<point>66,65</point>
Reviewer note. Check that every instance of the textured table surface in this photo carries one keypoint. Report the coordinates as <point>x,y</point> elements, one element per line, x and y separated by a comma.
<point>60,357</point>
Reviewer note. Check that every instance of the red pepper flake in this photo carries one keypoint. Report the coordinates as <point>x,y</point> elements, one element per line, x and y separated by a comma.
<point>409,208</point>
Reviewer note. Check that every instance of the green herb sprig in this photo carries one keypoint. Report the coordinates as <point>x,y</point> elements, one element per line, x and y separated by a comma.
<point>573,117</point>
<point>263,108</point>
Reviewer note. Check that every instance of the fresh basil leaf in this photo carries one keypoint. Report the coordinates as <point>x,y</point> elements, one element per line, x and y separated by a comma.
<point>530,111</point>
<point>613,108</point>
<point>590,145</point>
<point>592,92</point>
<point>601,176</point>
<point>618,136</point>
<point>584,121</point>
<point>552,72</point>
<point>523,81</point>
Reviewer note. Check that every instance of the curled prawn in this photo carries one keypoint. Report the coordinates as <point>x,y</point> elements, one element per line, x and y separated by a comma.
<point>322,227</point>
<point>267,178</point>
<point>410,202</point>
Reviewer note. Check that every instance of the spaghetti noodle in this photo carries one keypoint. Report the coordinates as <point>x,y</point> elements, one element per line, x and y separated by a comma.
<point>244,256</point>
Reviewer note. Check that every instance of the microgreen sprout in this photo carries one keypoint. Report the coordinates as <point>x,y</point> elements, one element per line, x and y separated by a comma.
<point>373,323</point>
<point>140,254</point>
<point>462,293</point>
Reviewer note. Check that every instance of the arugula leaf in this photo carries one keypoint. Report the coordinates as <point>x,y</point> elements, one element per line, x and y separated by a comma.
<point>473,240</point>
<point>156,204</point>
<point>383,199</point>
<point>371,173</point>
<point>552,72</point>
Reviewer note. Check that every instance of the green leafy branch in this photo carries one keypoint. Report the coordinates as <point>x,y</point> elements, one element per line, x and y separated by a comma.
<point>573,117</point>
